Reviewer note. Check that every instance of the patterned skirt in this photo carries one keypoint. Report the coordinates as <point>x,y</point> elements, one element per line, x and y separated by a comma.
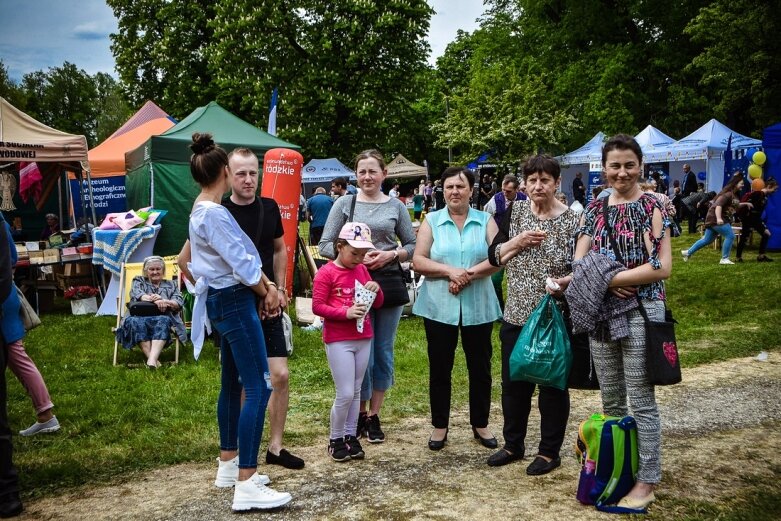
<point>138,329</point>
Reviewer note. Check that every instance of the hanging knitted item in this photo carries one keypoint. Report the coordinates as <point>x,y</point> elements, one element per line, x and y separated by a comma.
<point>30,181</point>
<point>7,190</point>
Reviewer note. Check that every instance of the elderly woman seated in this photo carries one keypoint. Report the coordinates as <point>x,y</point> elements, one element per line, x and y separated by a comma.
<point>153,310</point>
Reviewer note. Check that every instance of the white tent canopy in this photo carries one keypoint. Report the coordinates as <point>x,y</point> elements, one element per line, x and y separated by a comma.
<point>707,144</point>
<point>652,139</point>
<point>403,167</point>
<point>325,170</point>
<point>591,151</point>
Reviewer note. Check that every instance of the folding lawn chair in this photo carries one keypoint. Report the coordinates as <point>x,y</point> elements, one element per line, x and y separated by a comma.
<point>129,271</point>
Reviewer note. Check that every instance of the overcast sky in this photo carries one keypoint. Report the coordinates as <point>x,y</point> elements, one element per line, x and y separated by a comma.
<point>38,34</point>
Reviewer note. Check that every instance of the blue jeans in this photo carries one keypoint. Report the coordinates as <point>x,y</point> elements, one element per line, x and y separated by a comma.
<point>379,374</point>
<point>233,314</point>
<point>725,230</point>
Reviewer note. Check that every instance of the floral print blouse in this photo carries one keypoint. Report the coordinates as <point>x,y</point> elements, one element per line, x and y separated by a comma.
<point>630,222</point>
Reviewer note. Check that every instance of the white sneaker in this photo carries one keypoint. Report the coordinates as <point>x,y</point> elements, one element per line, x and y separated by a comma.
<point>228,474</point>
<point>41,427</point>
<point>252,493</point>
<point>725,260</point>
<point>685,254</point>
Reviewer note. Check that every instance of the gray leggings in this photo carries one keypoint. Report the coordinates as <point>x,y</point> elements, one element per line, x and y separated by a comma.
<point>620,368</point>
<point>348,360</point>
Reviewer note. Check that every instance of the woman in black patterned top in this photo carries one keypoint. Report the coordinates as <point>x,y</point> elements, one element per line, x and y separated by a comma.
<point>535,241</point>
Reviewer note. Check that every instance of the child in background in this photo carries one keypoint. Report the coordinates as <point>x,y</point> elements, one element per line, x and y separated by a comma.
<point>347,349</point>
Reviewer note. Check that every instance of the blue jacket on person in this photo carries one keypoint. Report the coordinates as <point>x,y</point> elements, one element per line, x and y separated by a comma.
<point>11,323</point>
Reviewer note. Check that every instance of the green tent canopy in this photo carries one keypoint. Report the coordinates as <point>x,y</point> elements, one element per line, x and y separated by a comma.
<point>158,172</point>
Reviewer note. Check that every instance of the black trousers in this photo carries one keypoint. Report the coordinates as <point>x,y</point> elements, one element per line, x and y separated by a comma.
<point>9,480</point>
<point>749,224</point>
<point>517,404</point>
<point>442,341</point>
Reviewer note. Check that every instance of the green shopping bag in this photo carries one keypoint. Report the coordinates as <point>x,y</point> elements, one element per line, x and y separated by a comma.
<point>542,353</point>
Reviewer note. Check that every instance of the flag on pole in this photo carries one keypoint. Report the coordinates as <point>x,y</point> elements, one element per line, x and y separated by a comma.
<point>728,160</point>
<point>272,115</point>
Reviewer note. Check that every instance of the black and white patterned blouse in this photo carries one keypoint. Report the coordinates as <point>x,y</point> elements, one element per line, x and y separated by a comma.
<point>527,271</point>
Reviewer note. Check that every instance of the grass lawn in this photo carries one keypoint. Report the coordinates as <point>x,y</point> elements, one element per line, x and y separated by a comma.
<point>116,420</point>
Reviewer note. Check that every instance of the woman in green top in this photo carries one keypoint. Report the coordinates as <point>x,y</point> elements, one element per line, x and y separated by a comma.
<point>452,253</point>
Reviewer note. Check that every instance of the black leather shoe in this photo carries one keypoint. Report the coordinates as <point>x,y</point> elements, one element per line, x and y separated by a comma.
<point>284,459</point>
<point>502,457</point>
<point>10,505</point>
<point>539,466</point>
<point>490,443</point>
<point>437,444</point>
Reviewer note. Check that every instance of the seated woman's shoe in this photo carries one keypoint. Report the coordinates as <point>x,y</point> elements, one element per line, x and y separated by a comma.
<point>631,505</point>
<point>437,444</point>
<point>541,466</point>
<point>490,443</point>
<point>503,457</point>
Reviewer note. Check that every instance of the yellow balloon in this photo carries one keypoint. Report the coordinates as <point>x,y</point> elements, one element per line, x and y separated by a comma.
<point>759,158</point>
<point>754,171</point>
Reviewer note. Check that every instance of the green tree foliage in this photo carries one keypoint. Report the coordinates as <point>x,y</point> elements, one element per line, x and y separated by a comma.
<point>160,52</point>
<point>740,64</point>
<point>70,100</point>
<point>8,88</point>
<point>63,98</point>
<point>347,72</point>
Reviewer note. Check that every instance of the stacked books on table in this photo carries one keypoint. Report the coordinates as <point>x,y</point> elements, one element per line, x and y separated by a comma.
<point>23,255</point>
<point>70,254</point>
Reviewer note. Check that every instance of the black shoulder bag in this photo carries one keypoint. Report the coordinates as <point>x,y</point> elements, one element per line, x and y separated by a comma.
<point>662,363</point>
<point>390,277</point>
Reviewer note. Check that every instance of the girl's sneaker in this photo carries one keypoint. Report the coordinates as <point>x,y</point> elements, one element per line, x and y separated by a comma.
<point>354,447</point>
<point>338,450</point>
<point>228,474</point>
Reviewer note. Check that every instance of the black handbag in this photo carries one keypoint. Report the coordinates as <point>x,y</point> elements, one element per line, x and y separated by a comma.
<point>390,277</point>
<point>662,363</point>
<point>143,309</point>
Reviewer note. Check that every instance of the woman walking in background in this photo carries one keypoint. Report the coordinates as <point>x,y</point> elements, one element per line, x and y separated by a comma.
<point>718,221</point>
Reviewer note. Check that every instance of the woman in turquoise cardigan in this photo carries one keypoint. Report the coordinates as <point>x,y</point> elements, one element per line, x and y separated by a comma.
<point>457,294</point>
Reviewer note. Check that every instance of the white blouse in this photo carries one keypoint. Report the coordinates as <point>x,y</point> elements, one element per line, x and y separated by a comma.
<point>222,256</point>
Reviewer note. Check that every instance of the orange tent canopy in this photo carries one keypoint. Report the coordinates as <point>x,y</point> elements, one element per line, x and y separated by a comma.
<point>108,158</point>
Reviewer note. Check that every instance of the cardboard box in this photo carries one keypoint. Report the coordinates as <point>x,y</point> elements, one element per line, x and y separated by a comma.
<point>51,255</point>
<point>36,257</point>
<point>78,269</point>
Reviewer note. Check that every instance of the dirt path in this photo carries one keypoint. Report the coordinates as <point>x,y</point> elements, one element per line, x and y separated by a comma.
<point>723,417</point>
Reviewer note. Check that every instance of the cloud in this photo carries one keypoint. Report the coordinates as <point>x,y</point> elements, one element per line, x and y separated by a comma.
<point>90,31</point>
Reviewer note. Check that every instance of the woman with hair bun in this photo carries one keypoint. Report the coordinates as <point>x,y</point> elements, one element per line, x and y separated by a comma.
<point>226,268</point>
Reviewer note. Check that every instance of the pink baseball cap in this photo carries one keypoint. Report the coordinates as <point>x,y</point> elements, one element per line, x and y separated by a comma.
<point>357,235</point>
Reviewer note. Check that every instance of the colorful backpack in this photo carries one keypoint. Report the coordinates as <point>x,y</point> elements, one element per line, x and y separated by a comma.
<point>607,450</point>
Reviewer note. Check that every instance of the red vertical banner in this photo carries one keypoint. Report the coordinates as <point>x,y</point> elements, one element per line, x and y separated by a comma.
<point>282,182</point>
